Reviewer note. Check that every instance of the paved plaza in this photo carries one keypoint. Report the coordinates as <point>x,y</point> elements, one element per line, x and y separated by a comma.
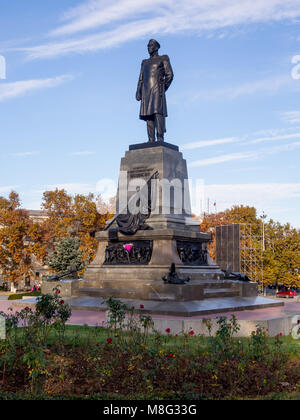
<point>276,317</point>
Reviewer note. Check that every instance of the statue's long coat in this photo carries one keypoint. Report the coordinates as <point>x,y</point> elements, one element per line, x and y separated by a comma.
<point>155,78</point>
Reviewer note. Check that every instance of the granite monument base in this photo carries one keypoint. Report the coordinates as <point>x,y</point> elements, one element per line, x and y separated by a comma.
<point>142,283</point>
<point>135,253</point>
<point>182,309</point>
<point>67,287</point>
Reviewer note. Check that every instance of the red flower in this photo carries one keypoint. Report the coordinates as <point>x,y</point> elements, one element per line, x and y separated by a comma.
<point>168,330</point>
<point>62,302</point>
<point>191,332</point>
<point>171,355</point>
<point>26,309</point>
<point>141,306</point>
<point>280,334</point>
<point>58,291</point>
<point>109,340</point>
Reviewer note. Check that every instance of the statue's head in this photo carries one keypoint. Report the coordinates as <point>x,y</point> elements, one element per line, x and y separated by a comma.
<point>153,46</point>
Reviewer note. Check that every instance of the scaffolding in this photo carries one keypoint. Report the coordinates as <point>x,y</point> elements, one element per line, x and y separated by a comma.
<point>251,253</point>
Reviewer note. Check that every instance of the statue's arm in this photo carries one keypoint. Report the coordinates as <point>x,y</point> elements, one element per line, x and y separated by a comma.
<point>169,75</point>
<point>139,86</point>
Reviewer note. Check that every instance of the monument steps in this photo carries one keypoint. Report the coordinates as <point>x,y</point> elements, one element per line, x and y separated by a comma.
<point>220,292</point>
<point>124,294</point>
<point>178,308</point>
<point>105,292</point>
<point>158,290</point>
<point>128,284</point>
<point>138,274</point>
<point>107,284</point>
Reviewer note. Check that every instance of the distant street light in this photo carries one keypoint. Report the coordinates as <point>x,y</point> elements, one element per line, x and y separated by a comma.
<point>263,217</point>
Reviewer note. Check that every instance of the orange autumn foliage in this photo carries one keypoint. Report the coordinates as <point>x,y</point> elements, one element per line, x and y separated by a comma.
<point>72,216</point>
<point>15,259</point>
<point>24,241</point>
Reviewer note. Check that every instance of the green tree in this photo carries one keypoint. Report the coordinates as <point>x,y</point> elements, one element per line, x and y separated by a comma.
<point>66,253</point>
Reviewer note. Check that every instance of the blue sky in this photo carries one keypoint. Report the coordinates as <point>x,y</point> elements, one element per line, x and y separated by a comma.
<point>68,110</point>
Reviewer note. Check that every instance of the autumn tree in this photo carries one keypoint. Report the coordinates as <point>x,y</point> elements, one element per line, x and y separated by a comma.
<point>245,215</point>
<point>58,206</point>
<point>15,251</point>
<point>282,254</point>
<point>75,216</point>
<point>277,260</point>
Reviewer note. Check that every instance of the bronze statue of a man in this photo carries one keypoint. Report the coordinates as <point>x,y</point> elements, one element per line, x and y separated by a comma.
<point>155,78</point>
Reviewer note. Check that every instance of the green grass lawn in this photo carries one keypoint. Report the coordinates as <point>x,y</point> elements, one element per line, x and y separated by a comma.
<point>85,334</point>
<point>85,348</point>
<point>105,363</point>
<point>19,296</point>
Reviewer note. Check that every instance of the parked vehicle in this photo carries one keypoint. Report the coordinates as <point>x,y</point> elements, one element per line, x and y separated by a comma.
<point>288,293</point>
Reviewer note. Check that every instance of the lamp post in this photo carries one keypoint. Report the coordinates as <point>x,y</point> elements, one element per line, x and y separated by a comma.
<point>263,217</point>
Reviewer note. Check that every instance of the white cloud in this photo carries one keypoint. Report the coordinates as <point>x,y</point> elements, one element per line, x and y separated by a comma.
<point>8,189</point>
<point>288,147</point>
<point>71,188</point>
<point>252,194</point>
<point>24,154</point>
<point>224,158</point>
<point>269,86</point>
<point>292,117</point>
<point>207,14</point>
<point>207,143</point>
<point>21,88</point>
<point>146,17</point>
<point>269,135</point>
<point>83,153</point>
<point>270,197</point>
<point>106,187</point>
<point>100,41</point>
<point>273,198</point>
<point>274,138</point>
<point>97,13</point>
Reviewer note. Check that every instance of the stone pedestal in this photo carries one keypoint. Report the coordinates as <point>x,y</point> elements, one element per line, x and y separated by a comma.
<point>132,266</point>
<point>171,207</point>
<point>67,287</point>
